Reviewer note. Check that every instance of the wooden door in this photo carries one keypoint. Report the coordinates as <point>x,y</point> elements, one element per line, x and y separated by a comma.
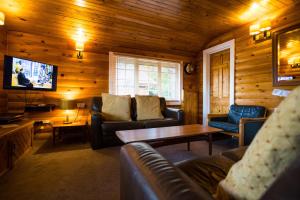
<point>219,82</point>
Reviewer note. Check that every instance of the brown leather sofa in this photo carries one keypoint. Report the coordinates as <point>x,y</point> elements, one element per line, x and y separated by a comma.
<point>103,132</point>
<point>146,175</point>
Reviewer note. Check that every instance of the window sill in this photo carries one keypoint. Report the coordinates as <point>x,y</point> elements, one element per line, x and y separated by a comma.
<point>173,103</point>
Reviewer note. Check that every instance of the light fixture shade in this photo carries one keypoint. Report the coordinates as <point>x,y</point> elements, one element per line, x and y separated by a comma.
<point>265,25</point>
<point>291,61</point>
<point>66,104</point>
<point>2,18</point>
<point>254,29</point>
<point>79,46</point>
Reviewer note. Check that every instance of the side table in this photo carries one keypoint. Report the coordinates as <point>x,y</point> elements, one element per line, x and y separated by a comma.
<point>58,126</point>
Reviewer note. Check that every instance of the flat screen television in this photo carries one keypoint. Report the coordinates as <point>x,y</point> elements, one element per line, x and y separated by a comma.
<point>25,74</point>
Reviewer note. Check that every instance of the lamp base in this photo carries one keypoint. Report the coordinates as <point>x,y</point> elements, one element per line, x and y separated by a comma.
<point>67,121</point>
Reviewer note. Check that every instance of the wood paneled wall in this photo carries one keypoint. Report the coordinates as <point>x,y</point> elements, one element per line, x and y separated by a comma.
<point>3,96</point>
<point>190,106</point>
<point>77,78</point>
<point>253,64</point>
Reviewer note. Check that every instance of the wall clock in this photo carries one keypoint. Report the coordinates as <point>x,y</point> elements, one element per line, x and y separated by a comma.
<point>189,68</point>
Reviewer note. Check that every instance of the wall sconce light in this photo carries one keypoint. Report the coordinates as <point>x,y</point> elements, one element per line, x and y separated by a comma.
<point>2,19</point>
<point>261,31</point>
<point>80,40</point>
<point>254,31</point>
<point>79,49</point>
<point>294,62</point>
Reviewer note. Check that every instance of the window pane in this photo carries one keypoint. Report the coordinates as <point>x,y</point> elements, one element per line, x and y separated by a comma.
<point>169,83</point>
<point>121,66</point>
<point>130,66</point>
<point>148,80</point>
<point>121,74</point>
<point>168,70</point>
<point>125,79</point>
<point>147,77</point>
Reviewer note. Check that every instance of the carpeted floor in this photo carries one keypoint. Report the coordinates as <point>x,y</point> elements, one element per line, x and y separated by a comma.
<point>72,170</point>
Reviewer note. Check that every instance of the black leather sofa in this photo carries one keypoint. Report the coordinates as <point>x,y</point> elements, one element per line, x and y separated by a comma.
<point>103,132</point>
<point>146,175</point>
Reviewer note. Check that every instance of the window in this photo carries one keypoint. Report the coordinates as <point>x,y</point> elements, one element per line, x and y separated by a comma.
<point>133,75</point>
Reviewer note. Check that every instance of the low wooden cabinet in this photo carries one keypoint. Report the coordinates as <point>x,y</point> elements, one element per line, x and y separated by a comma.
<point>3,155</point>
<point>14,142</point>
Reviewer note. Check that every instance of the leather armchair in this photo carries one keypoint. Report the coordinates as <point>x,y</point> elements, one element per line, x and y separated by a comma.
<point>242,122</point>
<point>146,175</point>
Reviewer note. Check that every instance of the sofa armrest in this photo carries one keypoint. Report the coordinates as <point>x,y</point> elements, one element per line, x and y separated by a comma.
<point>174,113</point>
<point>248,128</point>
<point>96,130</point>
<point>217,117</point>
<point>146,175</point>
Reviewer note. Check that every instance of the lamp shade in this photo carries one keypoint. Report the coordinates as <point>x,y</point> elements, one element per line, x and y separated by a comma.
<point>66,104</point>
<point>265,25</point>
<point>254,29</point>
<point>2,18</point>
<point>79,46</point>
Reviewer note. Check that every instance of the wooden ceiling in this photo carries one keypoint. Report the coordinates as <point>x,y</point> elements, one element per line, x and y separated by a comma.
<point>180,27</point>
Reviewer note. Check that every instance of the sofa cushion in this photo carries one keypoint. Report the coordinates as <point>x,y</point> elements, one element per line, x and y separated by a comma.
<point>274,148</point>
<point>226,126</point>
<point>116,107</point>
<point>237,112</point>
<point>207,172</point>
<point>148,107</point>
<point>112,126</point>
<point>155,123</point>
<point>163,107</point>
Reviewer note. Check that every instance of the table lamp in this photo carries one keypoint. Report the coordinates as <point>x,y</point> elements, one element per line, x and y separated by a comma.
<point>67,105</point>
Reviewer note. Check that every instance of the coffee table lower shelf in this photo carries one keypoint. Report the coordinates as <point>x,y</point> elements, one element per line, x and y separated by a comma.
<point>58,126</point>
<point>170,135</point>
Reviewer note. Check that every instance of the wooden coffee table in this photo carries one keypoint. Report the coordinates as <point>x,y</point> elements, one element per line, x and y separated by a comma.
<point>184,133</point>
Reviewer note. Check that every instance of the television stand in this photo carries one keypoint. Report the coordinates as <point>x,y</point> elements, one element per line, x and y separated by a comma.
<point>39,107</point>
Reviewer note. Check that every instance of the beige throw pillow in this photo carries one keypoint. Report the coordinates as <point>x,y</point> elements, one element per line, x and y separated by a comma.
<point>273,149</point>
<point>116,108</point>
<point>148,107</point>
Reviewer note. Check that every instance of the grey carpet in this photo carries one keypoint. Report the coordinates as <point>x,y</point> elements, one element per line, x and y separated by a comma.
<point>71,170</point>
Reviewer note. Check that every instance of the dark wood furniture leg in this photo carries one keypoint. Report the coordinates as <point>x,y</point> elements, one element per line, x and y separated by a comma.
<point>87,133</point>
<point>53,135</point>
<point>210,144</point>
<point>188,145</point>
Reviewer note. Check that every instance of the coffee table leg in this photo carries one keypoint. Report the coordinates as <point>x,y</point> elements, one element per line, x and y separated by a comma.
<point>188,145</point>
<point>210,144</point>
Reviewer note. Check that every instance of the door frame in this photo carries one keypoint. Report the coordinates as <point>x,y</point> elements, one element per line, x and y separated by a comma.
<point>206,74</point>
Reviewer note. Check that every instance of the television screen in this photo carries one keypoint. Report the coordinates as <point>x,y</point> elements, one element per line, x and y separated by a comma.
<point>29,75</point>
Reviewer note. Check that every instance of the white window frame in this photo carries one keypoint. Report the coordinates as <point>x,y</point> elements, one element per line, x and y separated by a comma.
<point>112,73</point>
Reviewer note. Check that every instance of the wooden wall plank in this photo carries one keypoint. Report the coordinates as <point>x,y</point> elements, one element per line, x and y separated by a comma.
<point>3,96</point>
